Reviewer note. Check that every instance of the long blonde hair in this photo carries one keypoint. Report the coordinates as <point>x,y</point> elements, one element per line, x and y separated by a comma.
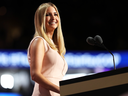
<point>40,29</point>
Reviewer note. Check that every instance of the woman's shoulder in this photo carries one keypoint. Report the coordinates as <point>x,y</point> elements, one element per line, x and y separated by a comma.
<point>39,38</point>
<point>37,41</point>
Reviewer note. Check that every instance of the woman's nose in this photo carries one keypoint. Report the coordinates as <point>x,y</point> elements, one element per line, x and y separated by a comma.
<point>52,17</point>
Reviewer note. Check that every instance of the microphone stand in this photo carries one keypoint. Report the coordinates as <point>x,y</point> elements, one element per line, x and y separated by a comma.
<point>111,54</point>
<point>98,42</point>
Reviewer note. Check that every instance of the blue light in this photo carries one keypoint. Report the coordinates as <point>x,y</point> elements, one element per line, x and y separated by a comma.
<point>75,59</point>
<point>9,94</point>
<point>13,59</point>
<point>91,60</point>
<point>94,59</point>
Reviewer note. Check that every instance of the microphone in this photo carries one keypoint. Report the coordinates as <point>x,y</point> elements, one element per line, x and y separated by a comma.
<point>90,41</point>
<point>98,39</point>
<point>99,42</point>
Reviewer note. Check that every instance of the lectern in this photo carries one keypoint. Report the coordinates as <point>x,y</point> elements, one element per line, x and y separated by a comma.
<point>110,83</point>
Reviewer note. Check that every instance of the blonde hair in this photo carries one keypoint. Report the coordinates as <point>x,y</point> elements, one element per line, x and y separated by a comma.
<point>40,29</point>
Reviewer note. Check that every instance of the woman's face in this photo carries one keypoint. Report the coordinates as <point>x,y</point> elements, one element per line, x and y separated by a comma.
<point>52,19</point>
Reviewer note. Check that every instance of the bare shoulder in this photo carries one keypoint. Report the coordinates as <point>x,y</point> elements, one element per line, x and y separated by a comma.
<point>37,44</point>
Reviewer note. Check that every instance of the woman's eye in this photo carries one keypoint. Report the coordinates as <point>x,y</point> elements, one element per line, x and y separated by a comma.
<point>56,14</point>
<point>47,14</point>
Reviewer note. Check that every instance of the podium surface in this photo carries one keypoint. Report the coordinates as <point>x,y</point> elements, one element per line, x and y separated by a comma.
<point>110,83</point>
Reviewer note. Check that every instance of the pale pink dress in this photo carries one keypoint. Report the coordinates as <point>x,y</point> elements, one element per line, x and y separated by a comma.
<point>54,68</point>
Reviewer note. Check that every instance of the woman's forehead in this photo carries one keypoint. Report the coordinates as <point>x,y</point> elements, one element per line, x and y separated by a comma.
<point>51,9</point>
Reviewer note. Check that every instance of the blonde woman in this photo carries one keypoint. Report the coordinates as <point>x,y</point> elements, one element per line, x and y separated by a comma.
<point>46,52</point>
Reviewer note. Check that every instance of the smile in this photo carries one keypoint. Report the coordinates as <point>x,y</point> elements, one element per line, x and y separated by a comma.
<point>52,23</point>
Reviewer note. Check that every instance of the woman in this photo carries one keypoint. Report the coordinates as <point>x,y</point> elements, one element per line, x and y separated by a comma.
<point>46,52</point>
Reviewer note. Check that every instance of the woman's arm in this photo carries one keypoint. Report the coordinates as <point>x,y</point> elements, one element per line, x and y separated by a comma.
<point>37,52</point>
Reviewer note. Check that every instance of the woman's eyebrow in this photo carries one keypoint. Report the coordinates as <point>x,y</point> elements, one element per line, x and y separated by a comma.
<point>55,12</point>
<point>51,12</point>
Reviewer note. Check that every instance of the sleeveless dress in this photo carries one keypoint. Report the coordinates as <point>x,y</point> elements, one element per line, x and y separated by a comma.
<point>54,67</point>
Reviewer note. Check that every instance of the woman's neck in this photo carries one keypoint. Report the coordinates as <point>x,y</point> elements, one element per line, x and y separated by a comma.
<point>50,33</point>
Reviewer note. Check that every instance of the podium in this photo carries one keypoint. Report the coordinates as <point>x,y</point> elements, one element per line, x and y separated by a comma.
<point>110,83</point>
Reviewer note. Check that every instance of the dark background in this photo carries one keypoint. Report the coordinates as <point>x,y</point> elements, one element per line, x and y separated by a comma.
<point>79,18</point>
